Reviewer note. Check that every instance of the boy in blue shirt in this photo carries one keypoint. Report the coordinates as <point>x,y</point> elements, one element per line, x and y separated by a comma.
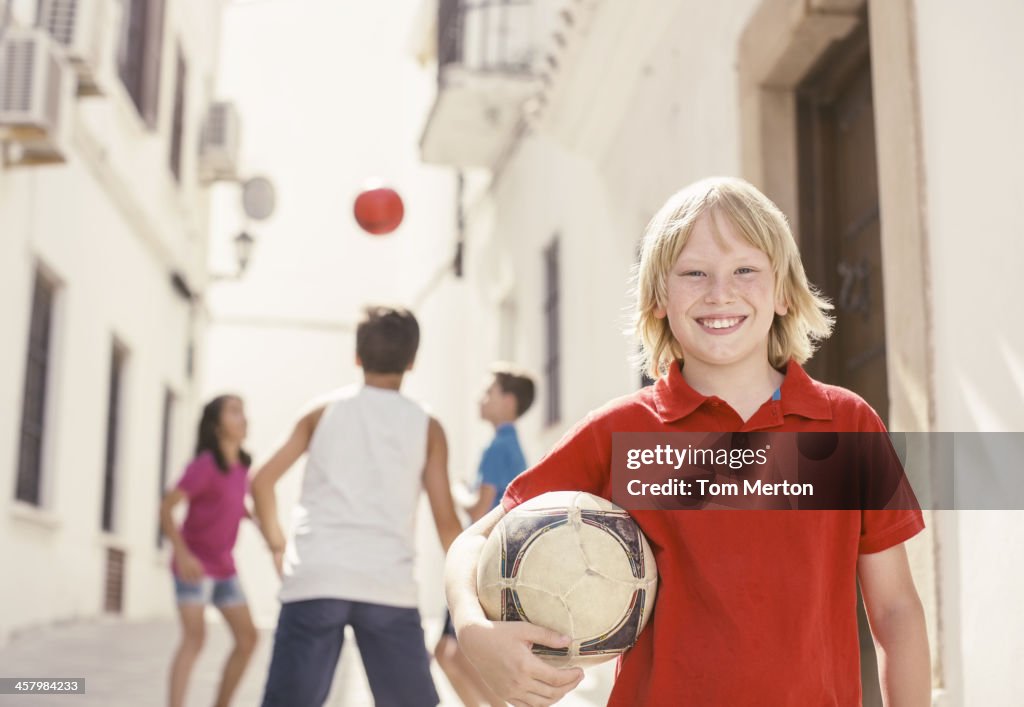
<point>509,394</point>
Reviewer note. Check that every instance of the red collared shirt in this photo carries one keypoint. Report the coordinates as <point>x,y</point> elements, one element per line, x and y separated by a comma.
<point>753,607</point>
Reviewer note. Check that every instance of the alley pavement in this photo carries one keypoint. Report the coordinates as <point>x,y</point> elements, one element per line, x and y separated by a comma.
<point>126,663</point>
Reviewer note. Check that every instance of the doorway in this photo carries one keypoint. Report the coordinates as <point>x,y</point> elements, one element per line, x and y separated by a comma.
<point>840,230</point>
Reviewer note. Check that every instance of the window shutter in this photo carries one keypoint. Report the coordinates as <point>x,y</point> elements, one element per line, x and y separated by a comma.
<point>130,51</point>
<point>165,452</point>
<point>553,334</point>
<point>178,119</point>
<point>117,360</point>
<point>113,585</point>
<point>151,62</point>
<point>33,412</point>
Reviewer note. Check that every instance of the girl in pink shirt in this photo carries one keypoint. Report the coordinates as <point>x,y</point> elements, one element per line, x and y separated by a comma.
<point>214,484</point>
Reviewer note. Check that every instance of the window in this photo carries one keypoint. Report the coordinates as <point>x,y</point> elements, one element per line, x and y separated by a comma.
<point>486,35</point>
<point>552,329</point>
<point>138,56</point>
<point>190,357</point>
<point>449,32</point>
<point>166,432</point>
<point>113,584</point>
<point>118,357</point>
<point>178,118</point>
<point>33,406</point>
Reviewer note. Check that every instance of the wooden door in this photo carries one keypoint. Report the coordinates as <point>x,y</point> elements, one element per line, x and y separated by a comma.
<point>839,226</point>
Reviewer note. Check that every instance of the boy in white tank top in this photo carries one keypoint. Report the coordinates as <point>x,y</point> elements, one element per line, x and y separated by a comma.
<point>370,451</point>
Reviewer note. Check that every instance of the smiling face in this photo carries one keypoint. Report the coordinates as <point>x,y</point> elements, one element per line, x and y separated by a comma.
<point>721,298</point>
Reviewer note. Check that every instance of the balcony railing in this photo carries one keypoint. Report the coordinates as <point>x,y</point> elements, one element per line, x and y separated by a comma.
<point>486,35</point>
<point>485,74</point>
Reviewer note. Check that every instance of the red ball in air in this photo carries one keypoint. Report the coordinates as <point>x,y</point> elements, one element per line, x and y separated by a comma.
<point>379,210</point>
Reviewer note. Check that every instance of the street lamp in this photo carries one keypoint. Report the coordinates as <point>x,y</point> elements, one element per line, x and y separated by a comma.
<point>258,200</point>
<point>244,243</point>
<point>243,250</point>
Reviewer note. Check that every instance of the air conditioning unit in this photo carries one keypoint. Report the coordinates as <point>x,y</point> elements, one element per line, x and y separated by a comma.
<point>35,95</point>
<point>218,149</point>
<point>85,31</point>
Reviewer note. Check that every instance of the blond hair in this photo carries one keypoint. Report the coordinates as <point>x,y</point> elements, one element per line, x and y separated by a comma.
<point>794,335</point>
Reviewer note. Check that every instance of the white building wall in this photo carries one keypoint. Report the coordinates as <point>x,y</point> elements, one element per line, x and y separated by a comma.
<point>111,226</point>
<point>682,122</point>
<point>972,104</point>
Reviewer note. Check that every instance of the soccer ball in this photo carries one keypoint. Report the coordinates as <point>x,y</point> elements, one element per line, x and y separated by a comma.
<point>573,563</point>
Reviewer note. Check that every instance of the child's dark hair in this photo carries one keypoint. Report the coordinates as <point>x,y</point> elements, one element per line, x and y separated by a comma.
<point>207,440</point>
<point>517,382</point>
<point>387,339</point>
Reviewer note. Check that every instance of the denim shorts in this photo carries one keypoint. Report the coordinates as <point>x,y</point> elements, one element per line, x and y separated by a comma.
<point>226,591</point>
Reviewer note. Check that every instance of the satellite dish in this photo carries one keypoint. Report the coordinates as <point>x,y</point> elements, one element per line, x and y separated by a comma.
<point>258,198</point>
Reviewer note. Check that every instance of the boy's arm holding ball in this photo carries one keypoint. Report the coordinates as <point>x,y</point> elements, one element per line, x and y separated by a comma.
<point>501,651</point>
<point>897,626</point>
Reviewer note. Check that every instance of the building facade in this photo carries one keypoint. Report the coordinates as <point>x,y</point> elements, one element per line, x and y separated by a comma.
<point>103,215</point>
<point>883,129</point>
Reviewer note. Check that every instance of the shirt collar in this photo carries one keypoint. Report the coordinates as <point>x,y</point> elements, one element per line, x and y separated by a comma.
<point>675,399</point>
<point>505,428</point>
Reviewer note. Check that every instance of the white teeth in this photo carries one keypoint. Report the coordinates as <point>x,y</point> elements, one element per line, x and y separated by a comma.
<point>720,323</point>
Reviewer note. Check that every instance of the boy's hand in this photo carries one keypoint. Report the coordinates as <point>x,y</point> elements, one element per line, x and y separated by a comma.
<point>502,653</point>
<point>279,562</point>
<point>189,567</point>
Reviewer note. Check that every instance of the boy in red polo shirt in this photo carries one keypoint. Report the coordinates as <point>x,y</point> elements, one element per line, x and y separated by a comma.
<point>754,607</point>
